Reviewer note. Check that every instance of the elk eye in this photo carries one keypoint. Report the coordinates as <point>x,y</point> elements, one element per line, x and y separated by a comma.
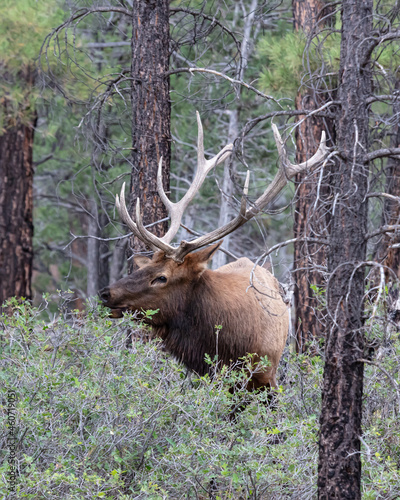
<point>160,279</point>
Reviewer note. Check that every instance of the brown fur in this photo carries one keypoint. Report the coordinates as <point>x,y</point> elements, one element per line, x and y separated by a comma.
<point>194,300</point>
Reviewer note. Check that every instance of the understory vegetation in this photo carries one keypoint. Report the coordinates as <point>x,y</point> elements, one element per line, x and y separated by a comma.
<point>103,412</point>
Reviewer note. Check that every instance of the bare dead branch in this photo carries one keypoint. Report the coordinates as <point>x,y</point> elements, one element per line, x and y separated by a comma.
<point>384,195</point>
<point>225,77</point>
<point>291,112</point>
<point>105,45</point>
<point>381,153</point>
<point>393,382</point>
<point>307,239</point>
<point>382,230</point>
<point>213,20</point>
<point>385,97</point>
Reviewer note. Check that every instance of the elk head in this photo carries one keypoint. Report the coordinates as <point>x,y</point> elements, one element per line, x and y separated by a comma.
<point>159,283</point>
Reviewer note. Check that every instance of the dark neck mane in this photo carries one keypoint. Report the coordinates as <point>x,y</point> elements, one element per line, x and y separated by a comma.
<point>191,333</point>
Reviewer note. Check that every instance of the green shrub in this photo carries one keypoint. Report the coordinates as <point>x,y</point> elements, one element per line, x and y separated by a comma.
<point>98,419</point>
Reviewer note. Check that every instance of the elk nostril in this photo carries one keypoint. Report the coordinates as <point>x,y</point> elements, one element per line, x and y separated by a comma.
<point>104,294</point>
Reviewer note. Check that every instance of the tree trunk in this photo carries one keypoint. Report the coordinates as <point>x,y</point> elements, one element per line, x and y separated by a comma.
<point>151,111</point>
<point>117,261</point>
<point>16,199</point>
<point>309,258</point>
<point>226,209</point>
<point>98,253</point>
<point>339,471</point>
<point>105,253</point>
<point>92,258</point>
<point>227,188</point>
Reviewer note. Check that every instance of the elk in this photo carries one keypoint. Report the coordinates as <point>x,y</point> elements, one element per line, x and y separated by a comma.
<point>191,300</point>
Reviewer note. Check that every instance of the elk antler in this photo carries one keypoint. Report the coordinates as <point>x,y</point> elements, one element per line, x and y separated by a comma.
<point>285,172</point>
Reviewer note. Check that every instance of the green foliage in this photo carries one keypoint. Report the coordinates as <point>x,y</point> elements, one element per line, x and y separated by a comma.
<point>282,69</point>
<point>99,420</point>
<point>286,60</point>
<point>24,25</point>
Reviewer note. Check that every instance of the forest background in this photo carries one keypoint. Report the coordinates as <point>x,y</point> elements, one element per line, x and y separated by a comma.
<point>68,118</point>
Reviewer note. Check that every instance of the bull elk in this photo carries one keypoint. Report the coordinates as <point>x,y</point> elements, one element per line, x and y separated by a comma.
<point>192,300</point>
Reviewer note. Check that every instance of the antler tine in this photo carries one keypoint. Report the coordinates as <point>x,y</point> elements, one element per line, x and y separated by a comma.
<point>185,247</point>
<point>207,165</point>
<point>175,218</point>
<point>160,187</point>
<point>123,212</point>
<point>293,169</point>
<point>286,171</point>
<point>200,141</point>
<point>176,210</point>
<point>147,237</point>
<point>137,227</point>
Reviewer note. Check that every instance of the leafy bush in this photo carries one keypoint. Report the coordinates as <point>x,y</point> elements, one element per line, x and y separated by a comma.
<point>101,416</point>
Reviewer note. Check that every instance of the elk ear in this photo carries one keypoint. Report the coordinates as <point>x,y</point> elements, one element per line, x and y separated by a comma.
<point>141,261</point>
<point>203,256</point>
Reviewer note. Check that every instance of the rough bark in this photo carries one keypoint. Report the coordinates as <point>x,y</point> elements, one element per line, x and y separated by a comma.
<point>306,14</point>
<point>16,199</point>
<point>339,471</point>
<point>151,110</point>
<point>309,258</point>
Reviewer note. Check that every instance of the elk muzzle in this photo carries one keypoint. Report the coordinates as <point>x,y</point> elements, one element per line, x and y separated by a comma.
<point>105,297</point>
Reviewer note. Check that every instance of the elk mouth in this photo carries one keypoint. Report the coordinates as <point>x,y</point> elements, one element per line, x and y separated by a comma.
<point>118,312</point>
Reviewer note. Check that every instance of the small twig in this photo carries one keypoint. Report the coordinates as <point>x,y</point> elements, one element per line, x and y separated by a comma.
<point>213,20</point>
<point>43,160</point>
<point>116,238</point>
<point>295,240</point>
<point>395,385</point>
<point>368,449</point>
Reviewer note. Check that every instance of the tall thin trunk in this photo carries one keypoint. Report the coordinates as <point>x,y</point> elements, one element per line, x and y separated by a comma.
<point>92,258</point>
<point>309,258</point>
<point>227,188</point>
<point>339,471</point>
<point>117,261</point>
<point>16,198</point>
<point>104,252</point>
<point>98,261</point>
<point>151,110</point>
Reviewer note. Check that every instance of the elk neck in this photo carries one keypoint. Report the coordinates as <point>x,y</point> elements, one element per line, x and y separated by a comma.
<point>189,327</point>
